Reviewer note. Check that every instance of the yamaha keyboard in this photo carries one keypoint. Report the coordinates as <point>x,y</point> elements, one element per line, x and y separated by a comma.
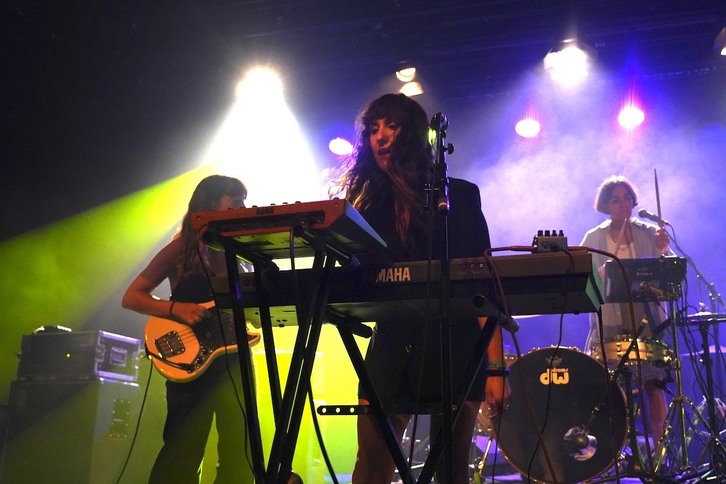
<point>539,283</point>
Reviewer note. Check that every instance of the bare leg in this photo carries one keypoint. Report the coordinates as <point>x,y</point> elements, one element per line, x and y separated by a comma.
<point>461,441</point>
<point>374,464</point>
<point>657,409</point>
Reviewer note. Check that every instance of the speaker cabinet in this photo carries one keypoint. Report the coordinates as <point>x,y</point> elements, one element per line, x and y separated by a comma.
<point>69,432</point>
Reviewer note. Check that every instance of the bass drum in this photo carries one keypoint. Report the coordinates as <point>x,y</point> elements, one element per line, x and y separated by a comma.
<point>579,411</point>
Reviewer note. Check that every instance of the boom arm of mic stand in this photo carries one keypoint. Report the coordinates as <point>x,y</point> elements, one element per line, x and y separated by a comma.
<point>712,292</point>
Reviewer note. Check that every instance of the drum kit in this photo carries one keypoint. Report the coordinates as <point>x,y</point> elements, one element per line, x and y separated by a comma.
<point>573,417</point>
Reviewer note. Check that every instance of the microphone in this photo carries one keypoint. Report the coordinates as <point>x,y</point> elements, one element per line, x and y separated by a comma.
<point>507,322</point>
<point>643,213</point>
<point>579,444</point>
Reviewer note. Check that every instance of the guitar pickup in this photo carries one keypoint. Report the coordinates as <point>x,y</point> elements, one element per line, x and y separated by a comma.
<point>170,345</point>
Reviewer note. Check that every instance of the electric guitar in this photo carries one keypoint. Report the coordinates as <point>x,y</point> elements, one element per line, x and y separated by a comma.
<point>181,352</point>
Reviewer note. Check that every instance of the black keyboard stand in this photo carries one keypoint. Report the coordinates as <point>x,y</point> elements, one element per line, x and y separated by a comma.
<point>379,412</point>
<point>287,407</point>
<point>231,250</point>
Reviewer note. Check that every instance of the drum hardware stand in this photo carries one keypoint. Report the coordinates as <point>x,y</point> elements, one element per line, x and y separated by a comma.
<point>676,409</point>
<point>710,396</point>
<point>718,452</point>
<point>487,449</point>
<point>636,465</point>
<point>479,466</point>
<point>717,449</point>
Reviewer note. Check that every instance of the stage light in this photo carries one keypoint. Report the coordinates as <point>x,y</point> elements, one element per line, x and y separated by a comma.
<point>340,146</point>
<point>261,139</point>
<point>720,42</point>
<point>411,89</point>
<point>407,74</point>
<point>259,86</point>
<point>631,117</point>
<point>569,64</point>
<point>527,128</point>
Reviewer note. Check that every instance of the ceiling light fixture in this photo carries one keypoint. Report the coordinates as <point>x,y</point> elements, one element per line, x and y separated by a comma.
<point>411,89</point>
<point>720,42</point>
<point>407,74</point>
<point>569,63</point>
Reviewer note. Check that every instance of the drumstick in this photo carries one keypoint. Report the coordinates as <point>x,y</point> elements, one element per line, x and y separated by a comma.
<point>620,236</point>
<point>657,198</point>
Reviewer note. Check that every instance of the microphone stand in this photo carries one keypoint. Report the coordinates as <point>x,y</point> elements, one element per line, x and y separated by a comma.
<point>441,196</point>
<point>715,303</point>
<point>637,465</point>
<point>714,296</point>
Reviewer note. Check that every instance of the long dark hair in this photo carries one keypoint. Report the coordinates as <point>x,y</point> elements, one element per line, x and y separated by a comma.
<point>365,184</point>
<point>206,196</point>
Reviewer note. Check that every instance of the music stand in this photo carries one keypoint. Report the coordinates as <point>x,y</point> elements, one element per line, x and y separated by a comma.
<point>649,278</point>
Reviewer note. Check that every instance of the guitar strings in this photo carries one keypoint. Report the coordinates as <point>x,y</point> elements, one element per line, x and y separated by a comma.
<point>209,322</point>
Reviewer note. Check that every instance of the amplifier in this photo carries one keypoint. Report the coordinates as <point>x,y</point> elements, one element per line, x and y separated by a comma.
<point>79,355</point>
<point>70,432</point>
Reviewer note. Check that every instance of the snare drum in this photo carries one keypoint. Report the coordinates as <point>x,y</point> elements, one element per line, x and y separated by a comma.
<point>655,355</point>
<point>565,390</point>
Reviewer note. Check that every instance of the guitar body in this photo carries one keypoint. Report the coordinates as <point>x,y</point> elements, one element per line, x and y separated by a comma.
<point>181,352</point>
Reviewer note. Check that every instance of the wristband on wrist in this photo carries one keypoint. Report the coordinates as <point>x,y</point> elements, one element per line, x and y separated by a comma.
<point>496,372</point>
<point>171,308</point>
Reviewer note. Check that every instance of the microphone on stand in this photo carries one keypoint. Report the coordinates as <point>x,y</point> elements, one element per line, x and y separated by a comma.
<point>643,213</point>
<point>579,444</point>
<point>489,309</point>
<point>440,123</point>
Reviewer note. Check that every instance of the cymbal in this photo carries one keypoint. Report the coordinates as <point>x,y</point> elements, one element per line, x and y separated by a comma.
<point>706,317</point>
<point>711,350</point>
